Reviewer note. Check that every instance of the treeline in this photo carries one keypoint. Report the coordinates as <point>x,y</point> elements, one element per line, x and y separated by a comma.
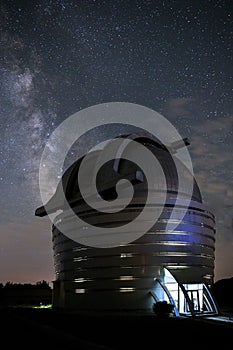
<point>15,294</point>
<point>223,293</point>
<point>13,286</point>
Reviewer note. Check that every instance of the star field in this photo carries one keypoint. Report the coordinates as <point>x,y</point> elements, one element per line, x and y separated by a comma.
<point>58,57</point>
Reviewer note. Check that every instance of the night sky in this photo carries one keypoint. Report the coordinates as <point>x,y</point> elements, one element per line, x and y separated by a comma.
<point>58,57</point>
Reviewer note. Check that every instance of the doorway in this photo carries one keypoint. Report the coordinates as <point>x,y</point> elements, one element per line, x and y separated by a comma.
<point>189,299</point>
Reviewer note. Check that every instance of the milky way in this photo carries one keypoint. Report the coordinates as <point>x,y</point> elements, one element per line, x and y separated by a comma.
<point>62,56</point>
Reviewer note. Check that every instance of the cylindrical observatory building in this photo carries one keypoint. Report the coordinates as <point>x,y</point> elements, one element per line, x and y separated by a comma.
<point>173,261</point>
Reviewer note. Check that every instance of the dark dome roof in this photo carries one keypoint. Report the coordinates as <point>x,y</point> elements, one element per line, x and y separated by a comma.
<point>114,170</point>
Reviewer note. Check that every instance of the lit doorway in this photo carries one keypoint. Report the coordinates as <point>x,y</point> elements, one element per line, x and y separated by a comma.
<point>189,299</point>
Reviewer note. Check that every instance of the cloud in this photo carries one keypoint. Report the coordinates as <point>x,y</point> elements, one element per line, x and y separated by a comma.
<point>215,127</point>
<point>178,107</point>
<point>211,154</point>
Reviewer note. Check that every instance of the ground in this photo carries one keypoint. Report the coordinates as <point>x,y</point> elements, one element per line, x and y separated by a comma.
<point>37,328</point>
